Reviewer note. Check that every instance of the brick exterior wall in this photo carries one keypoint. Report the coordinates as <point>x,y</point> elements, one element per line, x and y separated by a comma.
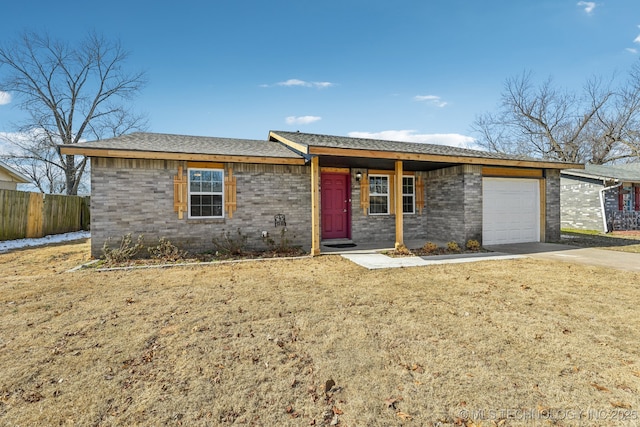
<point>552,198</point>
<point>582,209</point>
<point>580,203</point>
<point>619,219</point>
<point>472,204</point>
<point>611,206</point>
<point>136,196</point>
<point>453,204</point>
<point>367,228</point>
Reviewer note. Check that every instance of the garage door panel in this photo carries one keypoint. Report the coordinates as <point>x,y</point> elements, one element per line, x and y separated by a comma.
<point>511,211</point>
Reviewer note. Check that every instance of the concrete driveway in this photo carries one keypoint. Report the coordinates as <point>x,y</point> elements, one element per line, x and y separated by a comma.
<point>567,253</point>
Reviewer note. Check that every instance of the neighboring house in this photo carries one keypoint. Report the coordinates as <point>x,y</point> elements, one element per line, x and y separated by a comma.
<point>10,178</point>
<point>601,197</point>
<point>316,189</point>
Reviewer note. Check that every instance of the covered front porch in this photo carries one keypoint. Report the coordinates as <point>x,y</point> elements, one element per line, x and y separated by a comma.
<point>334,205</point>
<point>366,204</point>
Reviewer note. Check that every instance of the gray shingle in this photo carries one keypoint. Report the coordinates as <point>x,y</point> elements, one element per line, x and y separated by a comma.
<point>332,141</point>
<point>166,143</point>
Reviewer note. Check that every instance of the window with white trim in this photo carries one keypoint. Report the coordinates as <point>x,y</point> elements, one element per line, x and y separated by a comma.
<point>206,193</point>
<point>408,195</point>
<point>378,194</point>
<point>628,202</point>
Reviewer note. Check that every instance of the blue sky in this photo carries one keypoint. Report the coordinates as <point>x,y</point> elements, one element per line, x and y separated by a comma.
<point>411,70</point>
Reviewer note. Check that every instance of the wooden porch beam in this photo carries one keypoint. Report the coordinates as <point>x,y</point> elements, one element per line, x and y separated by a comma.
<point>440,158</point>
<point>315,206</point>
<point>296,146</point>
<point>543,209</point>
<point>158,155</point>
<point>398,205</point>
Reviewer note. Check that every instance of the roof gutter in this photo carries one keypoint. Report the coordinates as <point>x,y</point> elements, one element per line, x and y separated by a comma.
<point>604,213</point>
<point>588,175</point>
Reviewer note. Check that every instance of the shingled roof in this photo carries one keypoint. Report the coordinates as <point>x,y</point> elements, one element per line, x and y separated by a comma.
<point>293,148</point>
<point>185,144</point>
<point>307,140</point>
<point>625,172</point>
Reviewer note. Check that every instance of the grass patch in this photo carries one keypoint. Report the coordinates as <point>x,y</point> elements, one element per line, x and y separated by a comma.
<point>616,241</point>
<point>315,342</point>
<point>580,232</point>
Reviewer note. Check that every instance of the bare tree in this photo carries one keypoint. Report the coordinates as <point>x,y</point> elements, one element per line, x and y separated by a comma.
<point>44,175</point>
<point>71,93</point>
<point>599,125</point>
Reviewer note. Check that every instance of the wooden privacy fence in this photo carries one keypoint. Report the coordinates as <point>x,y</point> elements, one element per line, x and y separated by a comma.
<point>28,215</point>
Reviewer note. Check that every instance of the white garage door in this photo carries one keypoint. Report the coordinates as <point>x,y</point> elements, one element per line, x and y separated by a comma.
<point>510,211</point>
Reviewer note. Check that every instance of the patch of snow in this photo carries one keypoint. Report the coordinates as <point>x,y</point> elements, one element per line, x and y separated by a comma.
<point>7,245</point>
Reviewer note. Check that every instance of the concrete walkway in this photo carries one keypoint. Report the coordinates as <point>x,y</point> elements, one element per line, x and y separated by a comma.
<point>549,251</point>
<point>374,261</point>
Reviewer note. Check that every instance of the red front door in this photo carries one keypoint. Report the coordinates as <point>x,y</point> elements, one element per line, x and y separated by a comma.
<point>334,207</point>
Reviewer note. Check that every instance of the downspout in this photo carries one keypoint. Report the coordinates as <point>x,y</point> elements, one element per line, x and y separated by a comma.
<point>604,213</point>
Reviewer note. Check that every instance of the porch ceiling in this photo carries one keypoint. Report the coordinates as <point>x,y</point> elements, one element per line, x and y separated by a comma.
<point>385,164</point>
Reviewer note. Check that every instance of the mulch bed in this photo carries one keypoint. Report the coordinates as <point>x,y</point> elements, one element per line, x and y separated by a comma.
<point>203,257</point>
<point>438,251</point>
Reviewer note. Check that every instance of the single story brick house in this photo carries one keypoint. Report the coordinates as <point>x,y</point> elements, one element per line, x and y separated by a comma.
<point>321,189</point>
<point>601,197</point>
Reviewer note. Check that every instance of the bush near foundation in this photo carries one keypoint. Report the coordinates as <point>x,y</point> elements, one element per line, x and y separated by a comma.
<point>126,250</point>
<point>473,245</point>
<point>231,245</point>
<point>166,251</point>
<point>453,247</point>
<point>430,248</point>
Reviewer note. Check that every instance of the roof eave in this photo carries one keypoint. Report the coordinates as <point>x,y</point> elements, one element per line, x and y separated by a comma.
<point>440,158</point>
<point>19,178</point>
<point>299,147</point>
<point>164,155</point>
<point>593,176</point>
<point>15,175</point>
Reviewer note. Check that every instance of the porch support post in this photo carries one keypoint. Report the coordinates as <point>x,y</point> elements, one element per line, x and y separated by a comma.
<point>398,205</point>
<point>543,209</point>
<point>315,207</point>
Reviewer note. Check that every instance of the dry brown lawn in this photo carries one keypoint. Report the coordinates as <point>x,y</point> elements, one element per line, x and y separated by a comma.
<point>316,342</point>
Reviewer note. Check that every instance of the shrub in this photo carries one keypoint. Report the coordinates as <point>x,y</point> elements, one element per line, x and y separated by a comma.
<point>402,250</point>
<point>473,245</point>
<point>281,247</point>
<point>231,245</point>
<point>453,247</point>
<point>166,251</point>
<point>124,252</point>
<point>430,247</point>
